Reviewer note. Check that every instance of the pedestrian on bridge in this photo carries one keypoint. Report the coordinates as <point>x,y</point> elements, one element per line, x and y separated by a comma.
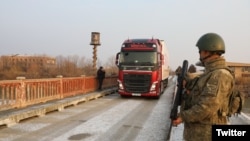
<point>100,77</point>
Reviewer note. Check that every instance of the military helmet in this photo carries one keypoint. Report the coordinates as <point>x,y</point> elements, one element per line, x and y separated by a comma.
<point>211,42</point>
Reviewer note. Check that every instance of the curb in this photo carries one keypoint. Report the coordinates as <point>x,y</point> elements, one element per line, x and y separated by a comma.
<point>11,117</point>
<point>176,133</point>
<point>246,116</point>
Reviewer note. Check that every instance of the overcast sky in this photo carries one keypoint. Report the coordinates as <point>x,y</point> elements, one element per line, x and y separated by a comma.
<point>63,27</point>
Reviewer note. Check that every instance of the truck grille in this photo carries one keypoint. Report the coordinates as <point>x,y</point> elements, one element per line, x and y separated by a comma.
<point>137,83</point>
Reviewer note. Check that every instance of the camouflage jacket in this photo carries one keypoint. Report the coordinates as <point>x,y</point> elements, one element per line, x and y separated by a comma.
<point>209,95</point>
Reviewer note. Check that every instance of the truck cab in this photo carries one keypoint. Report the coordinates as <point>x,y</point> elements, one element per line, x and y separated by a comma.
<point>141,68</point>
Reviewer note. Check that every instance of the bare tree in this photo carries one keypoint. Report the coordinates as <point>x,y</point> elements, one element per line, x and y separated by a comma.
<point>33,71</point>
<point>88,68</point>
<point>59,64</point>
<point>70,66</point>
<point>111,68</point>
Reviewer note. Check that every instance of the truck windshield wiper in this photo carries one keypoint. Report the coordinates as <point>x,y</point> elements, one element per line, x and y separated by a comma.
<point>138,63</point>
<point>145,64</point>
<point>128,63</point>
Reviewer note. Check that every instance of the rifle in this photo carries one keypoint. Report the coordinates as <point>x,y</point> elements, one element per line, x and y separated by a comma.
<point>180,87</point>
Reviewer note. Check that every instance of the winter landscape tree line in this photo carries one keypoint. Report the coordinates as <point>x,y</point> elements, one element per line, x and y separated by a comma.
<point>69,66</point>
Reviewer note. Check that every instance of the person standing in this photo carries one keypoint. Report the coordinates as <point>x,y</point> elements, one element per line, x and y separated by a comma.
<point>208,102</point>
<point>100,77</point>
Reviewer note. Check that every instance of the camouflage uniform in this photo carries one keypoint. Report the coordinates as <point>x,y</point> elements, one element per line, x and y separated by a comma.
<point>207,101</point>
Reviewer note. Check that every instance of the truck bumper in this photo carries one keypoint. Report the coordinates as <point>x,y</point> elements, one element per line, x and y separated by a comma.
<point>149,94</point>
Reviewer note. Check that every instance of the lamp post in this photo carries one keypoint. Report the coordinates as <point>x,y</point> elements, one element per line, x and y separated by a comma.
<point>95,41</point>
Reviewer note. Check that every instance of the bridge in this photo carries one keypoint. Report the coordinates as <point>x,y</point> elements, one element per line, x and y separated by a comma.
<point>22,93</point>
<point>84,112</point>
<point>17,94</point>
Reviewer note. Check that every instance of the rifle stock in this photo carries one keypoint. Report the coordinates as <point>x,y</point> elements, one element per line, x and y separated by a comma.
<point>180,87</point>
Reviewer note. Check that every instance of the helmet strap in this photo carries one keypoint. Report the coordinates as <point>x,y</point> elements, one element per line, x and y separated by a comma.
<point>203,59</point>
<point>210,55</point>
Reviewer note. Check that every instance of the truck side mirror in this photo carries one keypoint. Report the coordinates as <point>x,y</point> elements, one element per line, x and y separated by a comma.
<point>160,56</point>
<point>117,58</point>
<point>162,59</point>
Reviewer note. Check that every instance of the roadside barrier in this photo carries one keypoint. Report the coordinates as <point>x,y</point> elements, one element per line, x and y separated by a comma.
<point>25,92</point>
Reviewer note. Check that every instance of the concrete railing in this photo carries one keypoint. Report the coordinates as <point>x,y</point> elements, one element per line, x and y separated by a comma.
<point>24,92</point>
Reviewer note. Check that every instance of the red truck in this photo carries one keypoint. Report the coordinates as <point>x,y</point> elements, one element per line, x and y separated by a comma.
<point>143,67</point>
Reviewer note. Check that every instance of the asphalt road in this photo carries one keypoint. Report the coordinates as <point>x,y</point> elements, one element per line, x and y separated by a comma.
<point>109,118</point>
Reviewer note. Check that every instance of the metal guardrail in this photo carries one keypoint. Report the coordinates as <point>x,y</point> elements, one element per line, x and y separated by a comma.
<point>24,92</point>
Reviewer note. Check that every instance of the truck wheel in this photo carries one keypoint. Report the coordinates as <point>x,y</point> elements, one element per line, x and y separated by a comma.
<point>162,87</point>
<point>166,83</point>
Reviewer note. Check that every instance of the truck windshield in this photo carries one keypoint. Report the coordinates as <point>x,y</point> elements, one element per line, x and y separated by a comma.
<point>138,58</point>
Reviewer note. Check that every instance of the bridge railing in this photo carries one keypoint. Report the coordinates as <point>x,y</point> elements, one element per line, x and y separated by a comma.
<point>21,93</point>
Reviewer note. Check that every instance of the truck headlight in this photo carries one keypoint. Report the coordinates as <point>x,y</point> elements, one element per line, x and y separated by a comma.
<point>153,86</point>
<point>120,86</point>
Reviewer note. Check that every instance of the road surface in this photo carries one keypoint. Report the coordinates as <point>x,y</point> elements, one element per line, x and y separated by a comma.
<point>110,118</point>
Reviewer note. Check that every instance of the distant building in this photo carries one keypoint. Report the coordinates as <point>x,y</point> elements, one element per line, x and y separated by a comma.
<point>27,61</point>
<point>241,70</point>
<point>242,76</point>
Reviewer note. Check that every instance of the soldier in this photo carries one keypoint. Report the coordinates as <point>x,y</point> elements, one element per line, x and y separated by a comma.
<point>209,95</point>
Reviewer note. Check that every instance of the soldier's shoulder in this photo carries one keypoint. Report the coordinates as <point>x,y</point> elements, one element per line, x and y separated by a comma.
<point>222,74</point>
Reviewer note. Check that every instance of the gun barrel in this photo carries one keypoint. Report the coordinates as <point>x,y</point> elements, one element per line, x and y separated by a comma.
<point>180,87</point>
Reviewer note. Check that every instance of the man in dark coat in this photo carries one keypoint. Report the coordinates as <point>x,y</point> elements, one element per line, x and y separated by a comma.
<point>100,77</point>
